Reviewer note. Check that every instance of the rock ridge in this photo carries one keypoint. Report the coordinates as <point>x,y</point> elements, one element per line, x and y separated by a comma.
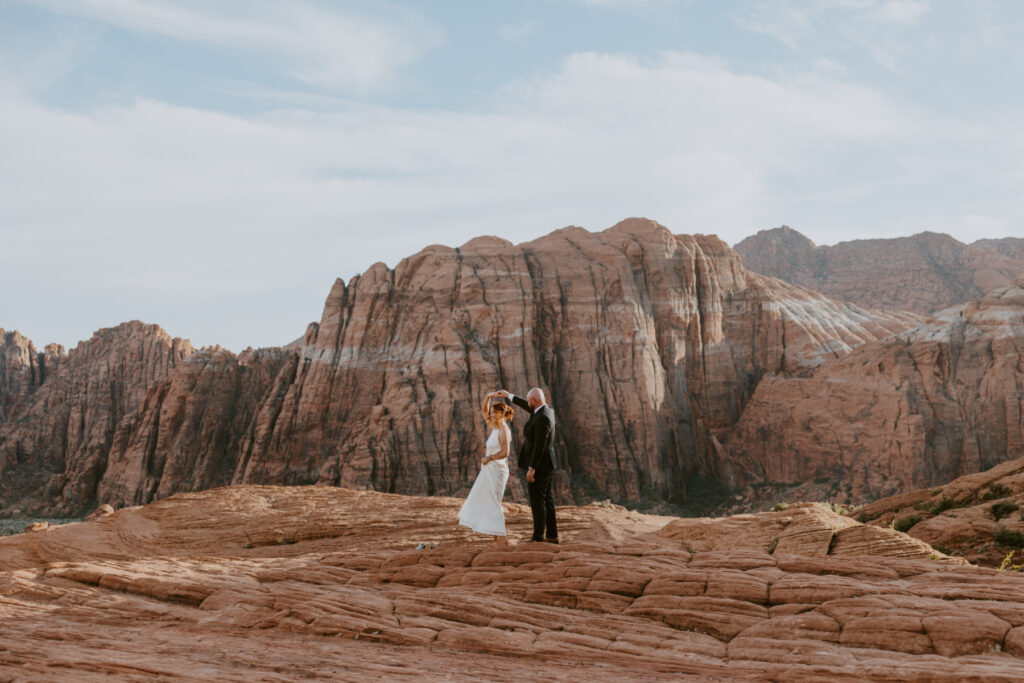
<point>924,273</point>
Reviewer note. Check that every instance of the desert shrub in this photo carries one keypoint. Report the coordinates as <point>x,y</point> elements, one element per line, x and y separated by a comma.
<point>904,524</point>
<point>1010,539</point>
<point>779,507</point>
<point>996,491</point>
<point>1000,510</point>
<point>838,509</point>
<point>938,507</point>
<point>1007,564</point>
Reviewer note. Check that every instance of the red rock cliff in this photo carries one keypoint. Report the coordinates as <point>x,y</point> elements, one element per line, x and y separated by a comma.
<point>918,410</point>
<point>923,273</point>
<point>648,344</point>
<point>53,449</point>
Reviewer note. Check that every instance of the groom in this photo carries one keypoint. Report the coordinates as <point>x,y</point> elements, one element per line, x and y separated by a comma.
<point>537,457</point>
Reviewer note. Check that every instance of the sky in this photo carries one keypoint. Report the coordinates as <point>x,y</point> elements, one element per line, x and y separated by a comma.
<point>213,165</point>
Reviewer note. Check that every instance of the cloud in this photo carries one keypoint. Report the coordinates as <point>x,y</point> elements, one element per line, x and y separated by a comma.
<point>248,219</point>
<point>324,46</point>
<point>518,33</point>
<point>802,23</point>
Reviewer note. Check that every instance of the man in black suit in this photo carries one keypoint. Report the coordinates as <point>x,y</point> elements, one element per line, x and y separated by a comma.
<point>537,457</point>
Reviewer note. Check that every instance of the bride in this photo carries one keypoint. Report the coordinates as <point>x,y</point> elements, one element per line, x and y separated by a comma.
<point>482,511</point>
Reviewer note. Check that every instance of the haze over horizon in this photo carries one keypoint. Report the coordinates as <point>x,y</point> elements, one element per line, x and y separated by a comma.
<point>213,168</point>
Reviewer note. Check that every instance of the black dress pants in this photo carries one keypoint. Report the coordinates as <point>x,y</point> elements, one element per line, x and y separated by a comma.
<point>542,505</point>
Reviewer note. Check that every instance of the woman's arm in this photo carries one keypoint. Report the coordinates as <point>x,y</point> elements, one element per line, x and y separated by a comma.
<point>484,407</point>
<point>505,441</point>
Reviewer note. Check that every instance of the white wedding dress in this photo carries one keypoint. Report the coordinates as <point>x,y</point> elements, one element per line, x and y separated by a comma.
<point>482,511</point>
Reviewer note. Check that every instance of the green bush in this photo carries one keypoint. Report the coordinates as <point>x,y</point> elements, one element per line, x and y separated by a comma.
<point>779,507</point>
<point>996,491</point>
<point>1000,510</point>
<point>1010,539</point>
<point>941,505</point>
<point>904,524</point>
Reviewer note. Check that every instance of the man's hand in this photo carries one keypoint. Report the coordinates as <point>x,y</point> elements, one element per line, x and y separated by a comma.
<point>530,475</point>
<point>501,393</point>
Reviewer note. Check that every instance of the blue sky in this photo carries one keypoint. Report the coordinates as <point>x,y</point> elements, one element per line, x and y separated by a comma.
<point>213,166</point>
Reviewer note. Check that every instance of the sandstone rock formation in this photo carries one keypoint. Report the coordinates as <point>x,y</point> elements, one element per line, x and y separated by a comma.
<point>917,410</point>
<point>22,369</point>
<point>978,516</point>
<point>924,273</point>
<point>649,345</point>
<point>280,583</point>
<point>54,447</point>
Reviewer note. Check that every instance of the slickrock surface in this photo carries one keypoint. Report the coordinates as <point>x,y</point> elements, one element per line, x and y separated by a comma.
<point>53,449</point>
<point>917,410</point>
<point>649,345</point>
<point>923,273</point>
<point>979,516</point>
<point>284,583</point>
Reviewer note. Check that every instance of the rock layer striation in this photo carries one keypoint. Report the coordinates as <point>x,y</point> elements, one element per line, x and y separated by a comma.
<point>916,410</point>
<point>923,273</point>
<point>280,583</point>
<point>648,344</point>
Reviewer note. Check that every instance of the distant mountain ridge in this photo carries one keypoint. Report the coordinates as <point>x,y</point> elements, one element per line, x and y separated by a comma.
<point>924,273</point>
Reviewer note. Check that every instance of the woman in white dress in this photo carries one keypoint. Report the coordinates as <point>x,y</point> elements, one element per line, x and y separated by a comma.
<point>482,511</point>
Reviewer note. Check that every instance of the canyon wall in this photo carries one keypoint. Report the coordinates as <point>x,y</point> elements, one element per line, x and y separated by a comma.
<point>923,273</point>
<point>914,411</point>
<point>54,447</point>
<point>648,344</point>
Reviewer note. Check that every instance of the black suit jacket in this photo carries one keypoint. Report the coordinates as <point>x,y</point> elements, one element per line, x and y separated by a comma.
<point>538,450</point>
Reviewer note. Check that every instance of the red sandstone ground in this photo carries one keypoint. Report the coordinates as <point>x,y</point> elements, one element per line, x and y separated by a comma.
<point>275,583</point>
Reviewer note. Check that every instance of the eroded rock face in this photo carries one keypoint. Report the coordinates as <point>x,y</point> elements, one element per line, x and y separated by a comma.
<point>195,429</point>
<point>923,273</point>
<point>648,345</point>
<point>327,583</point>
<point>22,369</point>
<point>54,447</point>
<point>917,410</point>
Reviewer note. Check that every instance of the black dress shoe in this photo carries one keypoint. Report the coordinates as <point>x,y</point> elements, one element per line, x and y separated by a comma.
<point>551,540</point>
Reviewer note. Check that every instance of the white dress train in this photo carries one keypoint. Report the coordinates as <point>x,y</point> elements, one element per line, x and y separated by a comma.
<point>482,511</point>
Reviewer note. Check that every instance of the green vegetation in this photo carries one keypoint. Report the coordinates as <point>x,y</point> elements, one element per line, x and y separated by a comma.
<point>1004,509</point>
<point>996,491</point>
<point>905,524</point>
<point>1010,539</point>
<point>779,507</point>
<point>939,506</point>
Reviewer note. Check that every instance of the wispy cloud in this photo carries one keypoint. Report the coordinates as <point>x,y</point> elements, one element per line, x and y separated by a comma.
<point>519,33</point>
<point>322,45</point>
<point>798,23</point>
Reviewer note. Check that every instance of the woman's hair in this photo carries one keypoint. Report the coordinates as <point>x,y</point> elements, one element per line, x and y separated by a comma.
<point>502,411</point>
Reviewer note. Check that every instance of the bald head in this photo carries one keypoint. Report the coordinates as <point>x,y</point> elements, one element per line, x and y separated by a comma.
<point>535,398</point>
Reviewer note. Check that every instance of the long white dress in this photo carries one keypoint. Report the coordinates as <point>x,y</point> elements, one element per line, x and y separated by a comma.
<point>482,511</point>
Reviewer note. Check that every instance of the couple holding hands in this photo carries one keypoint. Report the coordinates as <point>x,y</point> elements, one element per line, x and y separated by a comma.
<point>482,511</point>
